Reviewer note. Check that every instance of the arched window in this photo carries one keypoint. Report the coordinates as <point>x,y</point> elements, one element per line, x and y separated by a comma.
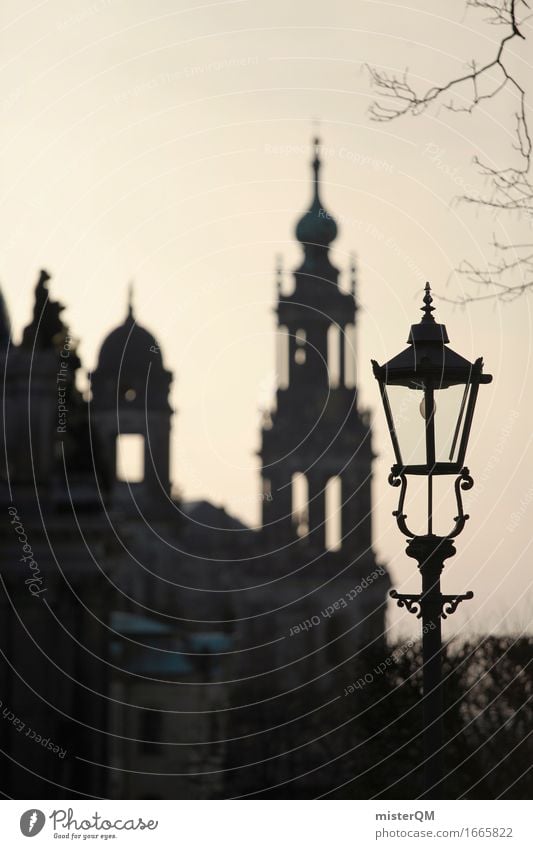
<point>349,354</point>
<point>334,514</point>
<point>282,351</point>
<point>299,351</point>
<point>300,502</point>
<point>335,341</point>
<point>130,457</point>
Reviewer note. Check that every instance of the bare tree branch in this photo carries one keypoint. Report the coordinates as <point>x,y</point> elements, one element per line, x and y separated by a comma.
<point>508,189</point>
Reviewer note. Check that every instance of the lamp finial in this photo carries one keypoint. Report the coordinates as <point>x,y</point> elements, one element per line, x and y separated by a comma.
<point>427,309</point>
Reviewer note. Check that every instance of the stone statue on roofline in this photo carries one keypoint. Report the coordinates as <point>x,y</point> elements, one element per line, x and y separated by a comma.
<point>46,330</point>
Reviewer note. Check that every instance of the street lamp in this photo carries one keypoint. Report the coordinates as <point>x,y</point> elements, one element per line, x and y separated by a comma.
<point>429,394</point>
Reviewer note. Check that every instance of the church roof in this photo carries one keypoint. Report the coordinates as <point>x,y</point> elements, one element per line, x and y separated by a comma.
<point>134,623</point>
<point>210,517</point>
<point>210,641</point>
<point>151,663</point>
<point>129,347</point>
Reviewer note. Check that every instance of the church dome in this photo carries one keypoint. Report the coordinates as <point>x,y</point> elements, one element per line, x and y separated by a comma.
<point>316,226</point>
<point>130,369</point>
<point>130,348</point>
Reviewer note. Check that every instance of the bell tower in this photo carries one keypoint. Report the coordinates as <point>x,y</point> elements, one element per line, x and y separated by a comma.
<point>131,412</point>
<point>316,440</point>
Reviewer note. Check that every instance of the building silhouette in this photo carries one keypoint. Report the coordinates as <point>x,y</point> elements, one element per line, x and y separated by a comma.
<point>316,429</point>
<point>130,389</point>
<point>162,637</point>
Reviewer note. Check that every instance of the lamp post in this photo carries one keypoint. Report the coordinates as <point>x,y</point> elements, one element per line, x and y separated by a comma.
<point>429,393</point>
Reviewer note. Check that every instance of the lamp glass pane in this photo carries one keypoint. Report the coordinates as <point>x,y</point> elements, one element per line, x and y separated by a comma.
<point>409,423</point>
<point>450,415</point>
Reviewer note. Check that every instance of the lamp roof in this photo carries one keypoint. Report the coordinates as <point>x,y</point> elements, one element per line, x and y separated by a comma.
<point>429,358</point>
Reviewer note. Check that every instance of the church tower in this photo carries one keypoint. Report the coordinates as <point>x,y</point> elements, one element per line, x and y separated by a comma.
<point>132,414</point>
<point>317,443</point>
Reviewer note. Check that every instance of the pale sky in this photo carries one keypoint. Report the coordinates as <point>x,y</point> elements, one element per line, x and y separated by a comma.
<point>168,143</point>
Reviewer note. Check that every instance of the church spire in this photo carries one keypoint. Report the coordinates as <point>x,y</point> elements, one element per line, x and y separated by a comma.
<point>316,228</point>
<point>130,300</point>
<point>316,356</point>
<point>316,169</point>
